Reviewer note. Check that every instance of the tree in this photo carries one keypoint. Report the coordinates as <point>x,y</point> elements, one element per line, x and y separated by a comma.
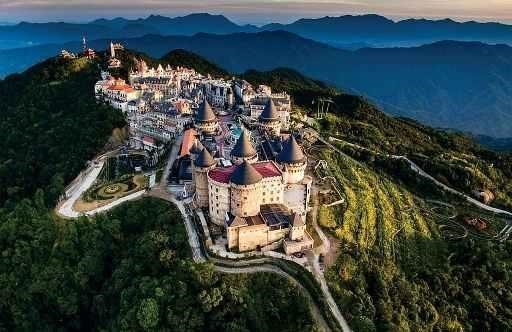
<point>148,314</point>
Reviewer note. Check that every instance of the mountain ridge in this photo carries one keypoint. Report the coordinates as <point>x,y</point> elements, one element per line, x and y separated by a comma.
<point>370,29</point>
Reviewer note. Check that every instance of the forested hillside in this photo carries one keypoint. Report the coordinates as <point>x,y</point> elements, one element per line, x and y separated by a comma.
<point>129,270</point>
<point>126,270</point>
<point>50,125</point>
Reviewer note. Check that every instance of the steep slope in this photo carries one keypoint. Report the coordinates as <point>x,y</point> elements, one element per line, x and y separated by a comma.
<point>398,268</point>
<point>50,124</point>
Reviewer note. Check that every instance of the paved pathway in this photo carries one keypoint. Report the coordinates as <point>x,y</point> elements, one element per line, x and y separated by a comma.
<point>66,207</point>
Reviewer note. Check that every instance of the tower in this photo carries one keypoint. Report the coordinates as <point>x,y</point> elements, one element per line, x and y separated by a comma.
<point>243,150</point>
<point>293,160</point>
<point>202,164</point>
<point>205,119</point>
<point>269,119</point>
<point>298,228</point>
<point>245,190</point>
<point>112,51</point>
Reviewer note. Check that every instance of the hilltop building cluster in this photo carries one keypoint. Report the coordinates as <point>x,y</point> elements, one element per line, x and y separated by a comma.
<point>237,158</point>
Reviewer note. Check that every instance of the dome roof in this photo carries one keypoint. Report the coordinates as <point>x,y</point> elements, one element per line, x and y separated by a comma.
<point>204,159</point>
<point>291,152</point>
<point>243,147</point>
<point>205,113</point>
<point>245,174</point>
<point>270,112</point>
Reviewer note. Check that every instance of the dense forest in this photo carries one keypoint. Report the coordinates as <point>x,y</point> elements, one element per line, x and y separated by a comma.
<point>50,125</point>
<point>129,270</point>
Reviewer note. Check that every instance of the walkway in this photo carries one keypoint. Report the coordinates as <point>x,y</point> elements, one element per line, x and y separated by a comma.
<point>65,208</point>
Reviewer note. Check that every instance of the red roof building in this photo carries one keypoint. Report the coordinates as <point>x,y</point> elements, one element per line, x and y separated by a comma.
<point>267,169</point>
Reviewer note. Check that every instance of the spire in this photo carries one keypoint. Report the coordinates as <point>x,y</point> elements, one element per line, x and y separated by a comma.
<point>270,111</point>
<point>243,147</point>
<point>291,152</point>
<point>204,159</point>
<point>297,220</point>
<point>205,113</point>
<point>245,174</point>
<point>197,147</point>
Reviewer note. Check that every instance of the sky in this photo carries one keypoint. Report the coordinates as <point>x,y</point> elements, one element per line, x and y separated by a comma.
<point>252,11</point>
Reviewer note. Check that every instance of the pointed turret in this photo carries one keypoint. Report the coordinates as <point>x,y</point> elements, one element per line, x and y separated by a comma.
<point>291,152</point>
<point>243,149</point>
<point>297,220</point>
<point>245,174</point>
<point>197,147</point>
<point>205,113</point>
<point>269,112</point>
<point>204,159</point>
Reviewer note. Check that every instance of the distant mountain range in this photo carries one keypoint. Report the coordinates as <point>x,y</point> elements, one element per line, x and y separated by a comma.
<point>461,85</point>
<point>379,31</point>
<point>348,31</point>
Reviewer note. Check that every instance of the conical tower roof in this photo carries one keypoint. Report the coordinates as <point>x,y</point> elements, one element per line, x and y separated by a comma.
<point>297,220</point>
<point>197,147</point>
<point>291,152</point>
<point>270,112</point>
<point>245,174</point>
<point>243,147</point>
<point>205,113</point>
<point>204,159</point>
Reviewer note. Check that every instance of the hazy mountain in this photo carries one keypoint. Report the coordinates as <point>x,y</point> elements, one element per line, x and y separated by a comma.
<point>461,85</point>
<point>182,25</point>
<point>346,32</point>
<point>25,33</point>
<point>380,31</point>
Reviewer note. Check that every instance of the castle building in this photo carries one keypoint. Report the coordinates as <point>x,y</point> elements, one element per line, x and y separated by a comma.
<point>205,119</point>
<point>257,201</point>
<point>269,120</point>
<point>243,150</point>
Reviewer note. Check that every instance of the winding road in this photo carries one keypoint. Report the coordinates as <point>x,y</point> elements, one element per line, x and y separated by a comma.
<point>420,172</point>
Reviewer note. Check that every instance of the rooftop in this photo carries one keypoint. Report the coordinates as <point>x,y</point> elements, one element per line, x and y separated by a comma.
<point>243,147</point>
<point>205,113</point>
<point>204,159</point>
<point>265,168</point>
<point>291,152</point>
<point>270,112</point>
